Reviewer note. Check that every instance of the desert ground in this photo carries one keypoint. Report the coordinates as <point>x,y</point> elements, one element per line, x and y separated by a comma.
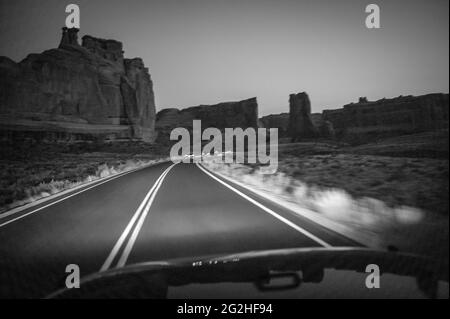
<point>392,192</point>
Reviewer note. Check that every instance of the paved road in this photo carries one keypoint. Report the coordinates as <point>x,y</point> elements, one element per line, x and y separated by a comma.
<point>157,213</point>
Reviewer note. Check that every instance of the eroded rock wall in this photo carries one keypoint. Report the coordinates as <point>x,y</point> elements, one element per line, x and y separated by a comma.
<point>300,122</point>
<point>90,83</point>
<point>401,115</point>
<point>228,114</point>
<point>279,121</point>
<point>365,119</point>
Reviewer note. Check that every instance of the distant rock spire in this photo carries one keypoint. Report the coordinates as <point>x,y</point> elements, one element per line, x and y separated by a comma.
<point>300,122</point>
<point>69,36</point>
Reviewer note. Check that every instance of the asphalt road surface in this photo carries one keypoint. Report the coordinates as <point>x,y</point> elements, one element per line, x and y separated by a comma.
<point>158,213</point>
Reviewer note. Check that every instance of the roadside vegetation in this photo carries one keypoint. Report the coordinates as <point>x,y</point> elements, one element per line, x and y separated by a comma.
<point>388,197</point>
<point>30,171</point>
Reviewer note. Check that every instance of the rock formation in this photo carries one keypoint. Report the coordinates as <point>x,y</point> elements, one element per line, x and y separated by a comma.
<point>385,117</point>
<point>69,37</point>
<point>325,128</point>
<point>315,125</point>
<point>279,121</point>
<point>228,114</point>
<point>401,115</point>
<point>91,86</point>
<point>300,122</point>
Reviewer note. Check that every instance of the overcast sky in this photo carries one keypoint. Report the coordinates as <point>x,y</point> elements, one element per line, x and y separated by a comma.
<point>209,51</point>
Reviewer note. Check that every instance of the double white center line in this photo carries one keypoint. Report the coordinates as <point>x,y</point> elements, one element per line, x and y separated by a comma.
<point>139,216</point>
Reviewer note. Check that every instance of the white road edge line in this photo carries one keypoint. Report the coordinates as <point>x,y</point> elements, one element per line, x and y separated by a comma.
<point>119,243</point>
<point>268,210</point>
<point>126,252</point>
<point>64,198</point>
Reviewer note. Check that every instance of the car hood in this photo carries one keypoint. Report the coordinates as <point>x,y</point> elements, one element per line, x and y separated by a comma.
<point>282,273</point>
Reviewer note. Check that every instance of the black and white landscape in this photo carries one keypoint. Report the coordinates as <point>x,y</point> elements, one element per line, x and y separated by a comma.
<point>89,190</point>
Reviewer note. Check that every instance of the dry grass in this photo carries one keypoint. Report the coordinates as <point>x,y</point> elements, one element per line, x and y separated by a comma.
<point>416,182</point>
<point>394,200</point>
<point>31,171</point>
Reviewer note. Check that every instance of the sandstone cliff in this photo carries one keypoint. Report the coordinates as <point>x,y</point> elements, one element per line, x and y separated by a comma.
<point>300,122</point>
<point>228,114</point>
<point>385,117</point>
<point>92,86</point>
<point>279,121</point>
<point>401,115</point>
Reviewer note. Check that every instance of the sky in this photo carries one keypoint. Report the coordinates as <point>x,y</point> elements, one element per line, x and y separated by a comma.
<point>211,51</point>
